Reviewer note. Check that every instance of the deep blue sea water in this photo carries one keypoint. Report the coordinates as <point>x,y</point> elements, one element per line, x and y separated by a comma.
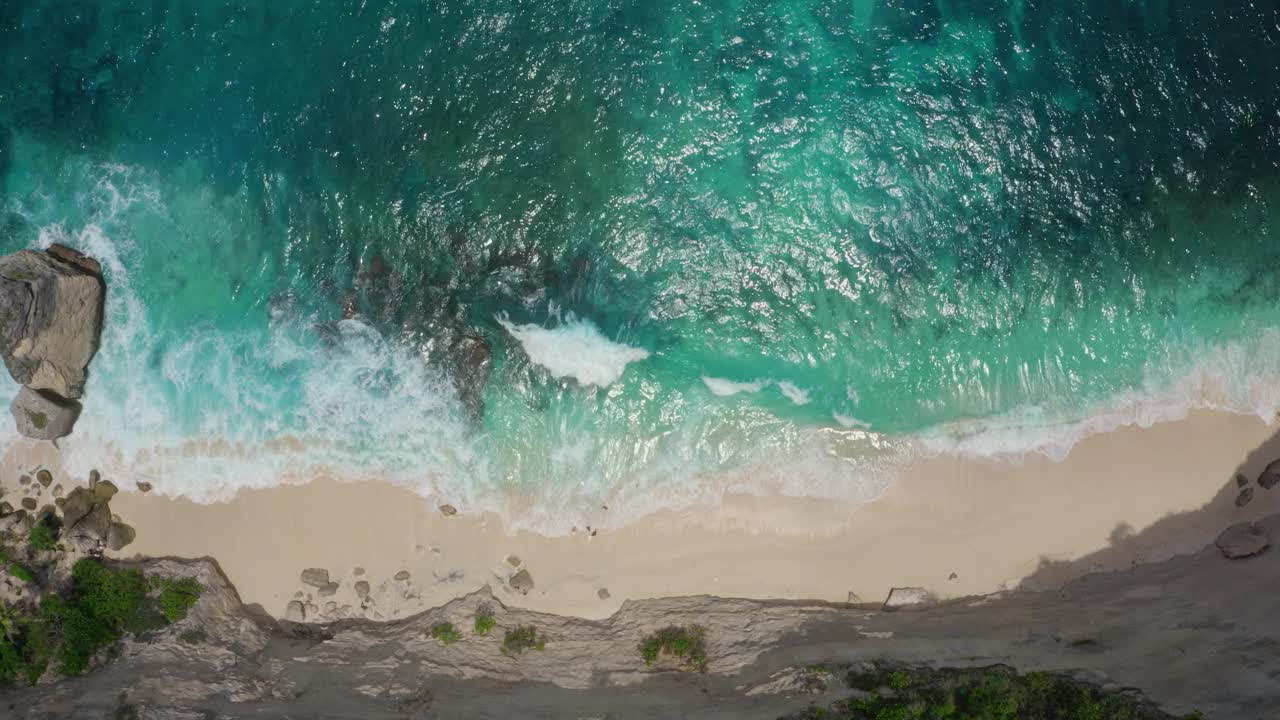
<point>767,245</point>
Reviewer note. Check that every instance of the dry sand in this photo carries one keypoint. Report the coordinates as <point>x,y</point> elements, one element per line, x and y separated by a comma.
<point>990,523</point>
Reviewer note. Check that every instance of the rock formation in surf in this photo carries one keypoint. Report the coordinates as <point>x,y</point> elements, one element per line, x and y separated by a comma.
<point>51,308</point>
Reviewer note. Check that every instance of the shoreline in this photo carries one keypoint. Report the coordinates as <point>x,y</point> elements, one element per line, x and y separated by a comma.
<point>991,523</point>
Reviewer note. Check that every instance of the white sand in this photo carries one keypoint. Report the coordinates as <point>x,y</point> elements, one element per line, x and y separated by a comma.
<point>989,522</point>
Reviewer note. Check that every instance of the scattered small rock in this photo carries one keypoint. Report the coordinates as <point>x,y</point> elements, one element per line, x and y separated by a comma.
<point>5,508</point>
<point>953,576</point>
<point>358,571</point>
<point>45,478</point>
<point>1244,497</point>
<point>295,611</point>
<point>298,594</point>
<point>521,582</point>
<point>905,596</point>
<point>362,589</point>
<point>448,510</point>
<point>402,575</point>
<point>312,609</point>
<point>29,504</point>
<point>94,477</point>
<point>1241,540</point>
<point>104,490</point>
<point>57,491</point>
<point>1241,480</point>
<point>1270,476</point>
<point>315,577</point>
<point>328,590</point>
<point>24,480</point>
<point>603,593</point>
<point>120,535</point>
<point>143,486</point>
<point>513,560</point>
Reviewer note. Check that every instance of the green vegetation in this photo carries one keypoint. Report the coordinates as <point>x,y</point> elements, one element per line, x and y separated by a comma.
<point>519,639</point>
<point>996,693</point>
<point>485,621</point>
<point>16,569</point>
<point>38,420</point>
<point>102,605</point>
<point>687,642</point>
<point>445,633</point>
<point>177,596</point>
<point>41,538</point>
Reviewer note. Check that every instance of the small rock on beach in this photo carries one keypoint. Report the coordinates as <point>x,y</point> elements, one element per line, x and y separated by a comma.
<point>315,577</point>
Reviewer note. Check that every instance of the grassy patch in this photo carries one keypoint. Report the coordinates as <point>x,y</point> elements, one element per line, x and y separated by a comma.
<point>445,633</point>
<point>177,596</point>
<point>485,621</point>
<point>41,538</point>
<point>519,639</point>
<point>687,642</point>
<point>996,693</point>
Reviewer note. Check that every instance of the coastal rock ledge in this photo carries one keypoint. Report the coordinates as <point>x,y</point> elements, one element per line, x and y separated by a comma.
<point>51,308</point>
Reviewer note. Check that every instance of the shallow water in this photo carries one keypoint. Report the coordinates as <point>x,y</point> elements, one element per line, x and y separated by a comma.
<point>790,241</point>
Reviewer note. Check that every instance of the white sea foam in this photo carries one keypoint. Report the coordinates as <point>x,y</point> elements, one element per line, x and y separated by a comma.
<point>721,387</point>
<point>728,388</point>
<point>793,393</point>
<point>575,349</point>
<point>199,414</point>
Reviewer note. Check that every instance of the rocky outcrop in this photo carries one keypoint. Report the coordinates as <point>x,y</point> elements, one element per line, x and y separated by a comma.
<point>42,415</point>
<point>51,307</point>
<point>50,319</point>
<point>1193,632</point>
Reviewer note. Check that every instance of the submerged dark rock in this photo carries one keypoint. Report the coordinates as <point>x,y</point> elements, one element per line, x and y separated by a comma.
<point>472,361</point>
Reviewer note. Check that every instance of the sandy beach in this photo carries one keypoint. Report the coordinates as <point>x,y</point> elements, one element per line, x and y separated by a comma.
<point>953,526</point>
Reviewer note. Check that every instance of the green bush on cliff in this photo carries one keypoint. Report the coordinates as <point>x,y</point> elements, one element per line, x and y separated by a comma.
<point>522,638</point>
<point>101,606</point>
<point>485,621</point>
<point>445,633</point>
<point>687,642</point>
<point>41,538</point>
<point>996,693</point>
<point>177,596</point>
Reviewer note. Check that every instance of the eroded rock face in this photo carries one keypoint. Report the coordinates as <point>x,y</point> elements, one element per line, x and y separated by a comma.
<point>42,415</point>
<point>50,319</point>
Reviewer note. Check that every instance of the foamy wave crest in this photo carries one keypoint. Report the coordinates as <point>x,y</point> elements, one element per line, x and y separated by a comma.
<point>205,412</point>
<point>1240,377</point>
<point>575,349</point>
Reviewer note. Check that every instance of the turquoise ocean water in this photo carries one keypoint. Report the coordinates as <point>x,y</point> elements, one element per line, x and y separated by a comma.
<point>763,245</point>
